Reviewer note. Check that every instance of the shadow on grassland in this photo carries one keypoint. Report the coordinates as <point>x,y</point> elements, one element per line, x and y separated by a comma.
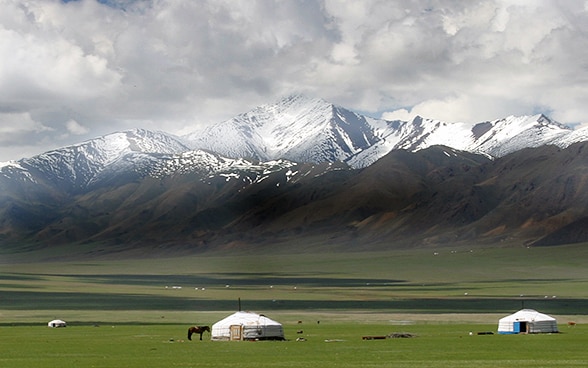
<point>221,279</point>
<point>26,300</point>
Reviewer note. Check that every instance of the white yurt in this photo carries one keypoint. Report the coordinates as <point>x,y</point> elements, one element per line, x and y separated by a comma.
<point>57,323</point>
<point>247,326</point>
<point>527,321</point>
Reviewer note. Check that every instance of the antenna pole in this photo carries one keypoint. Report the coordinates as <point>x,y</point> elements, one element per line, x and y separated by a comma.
<point>239,304</point>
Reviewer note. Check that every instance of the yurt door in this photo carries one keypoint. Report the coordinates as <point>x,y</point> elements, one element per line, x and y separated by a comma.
<point>520,327</point>
<point>236,332</point>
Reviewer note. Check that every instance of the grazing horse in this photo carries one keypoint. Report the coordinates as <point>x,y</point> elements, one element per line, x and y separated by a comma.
<point>197,329</point>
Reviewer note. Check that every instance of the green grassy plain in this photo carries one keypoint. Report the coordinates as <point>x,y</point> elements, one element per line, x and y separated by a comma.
<point>135,313</point>
<point>327,345</point>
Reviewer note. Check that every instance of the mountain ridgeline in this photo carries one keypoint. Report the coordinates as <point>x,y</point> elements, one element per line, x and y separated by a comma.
<point>305,173</point>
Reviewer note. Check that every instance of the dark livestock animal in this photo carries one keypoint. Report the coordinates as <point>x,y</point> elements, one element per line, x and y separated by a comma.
<point>197,329</point>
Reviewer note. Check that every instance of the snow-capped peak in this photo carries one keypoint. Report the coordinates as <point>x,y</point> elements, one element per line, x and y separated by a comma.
<point>304,129</point>
<point>503,136</point>
<point>7,163</point>
<point>296,128</point>
<point>77,165</point>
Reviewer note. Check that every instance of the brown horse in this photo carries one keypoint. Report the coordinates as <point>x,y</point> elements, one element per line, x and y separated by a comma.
<point>197,329</point>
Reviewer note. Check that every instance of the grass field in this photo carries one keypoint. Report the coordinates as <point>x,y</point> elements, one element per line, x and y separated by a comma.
<point>135,313</point>
<point>327,345</point>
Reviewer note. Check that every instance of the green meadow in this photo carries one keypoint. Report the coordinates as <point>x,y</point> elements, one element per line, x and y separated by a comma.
<point>135,313</point>
<point>327,345</point>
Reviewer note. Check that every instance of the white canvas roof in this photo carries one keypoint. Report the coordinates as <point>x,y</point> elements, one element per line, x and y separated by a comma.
<point>527,320</point>
<point>56,323</point>
<point>247,326</point>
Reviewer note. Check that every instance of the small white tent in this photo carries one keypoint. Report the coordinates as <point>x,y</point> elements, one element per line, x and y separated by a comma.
<point>527,321</point>
<point>247,326</point>
<point>56,323</point>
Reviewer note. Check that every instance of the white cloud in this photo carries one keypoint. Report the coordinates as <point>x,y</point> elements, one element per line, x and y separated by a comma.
<point>459,108</point>
<point>19,123</point>
<point>175,64</point>
<point>41,63</point>
<point>75,128</point>
<point>399,114</point>
<point>20,135</point>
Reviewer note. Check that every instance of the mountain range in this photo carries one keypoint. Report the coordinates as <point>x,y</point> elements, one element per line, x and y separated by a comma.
<point>303,129</point>
<point>302,172</point>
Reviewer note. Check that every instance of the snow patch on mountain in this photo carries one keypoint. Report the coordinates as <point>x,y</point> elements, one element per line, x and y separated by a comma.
<point>12,170</point>
<point>575,136</point>
<point>209,164</point>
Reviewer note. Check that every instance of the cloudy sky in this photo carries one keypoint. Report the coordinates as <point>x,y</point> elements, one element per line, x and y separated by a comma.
<point>74,70</point>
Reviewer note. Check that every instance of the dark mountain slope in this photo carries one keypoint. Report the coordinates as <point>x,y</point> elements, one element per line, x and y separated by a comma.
<point>388,200</point>
<point>434,197</point>
<point>543,189</point>
<point>522,198</point>
<point>440,196</point>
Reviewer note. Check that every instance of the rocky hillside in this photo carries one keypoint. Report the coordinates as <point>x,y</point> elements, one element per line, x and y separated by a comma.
<point>433,197</point>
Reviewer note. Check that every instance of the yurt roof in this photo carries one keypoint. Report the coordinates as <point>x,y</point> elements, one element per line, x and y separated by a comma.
<point>528,315</point>
<point>56,323</point>
<point>247,318</point>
